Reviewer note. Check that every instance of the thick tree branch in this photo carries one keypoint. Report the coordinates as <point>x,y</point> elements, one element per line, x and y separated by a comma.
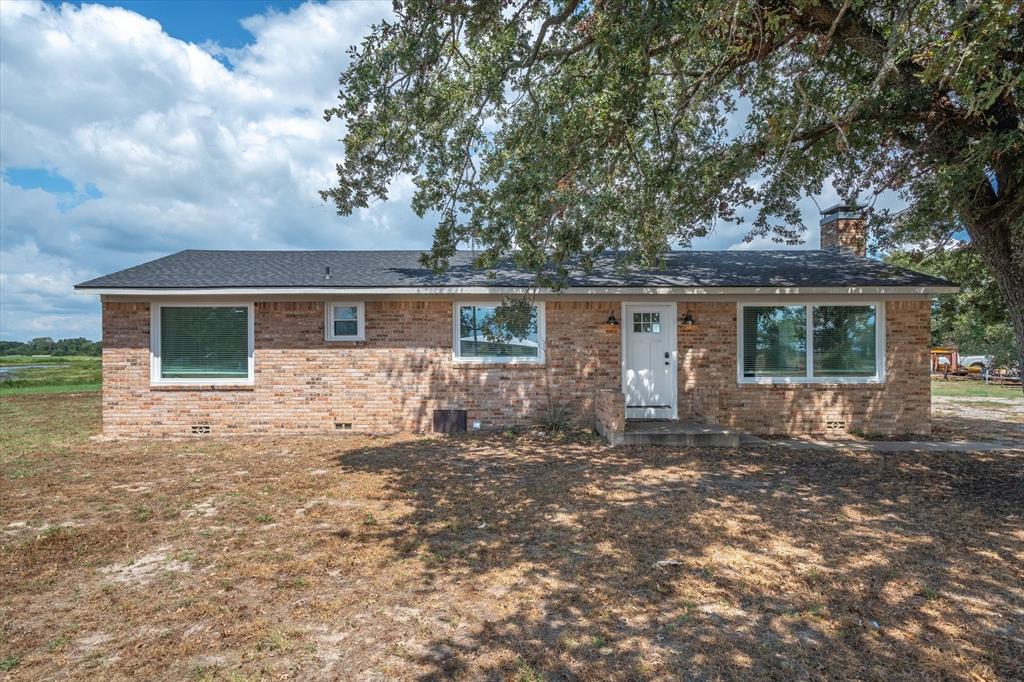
<point>553,20</point>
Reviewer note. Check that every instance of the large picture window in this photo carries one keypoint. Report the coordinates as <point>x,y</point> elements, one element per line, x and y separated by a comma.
<point>811,342</point>
<point>479,336</point>
<point>202,344</point>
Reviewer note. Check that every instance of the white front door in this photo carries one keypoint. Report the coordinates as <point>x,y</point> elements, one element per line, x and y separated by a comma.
<point>649,361</point>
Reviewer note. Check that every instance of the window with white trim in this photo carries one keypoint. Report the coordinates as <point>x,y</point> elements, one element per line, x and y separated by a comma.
<point>811,342</point>
<point>774,341</point>
<point>478,335</point>
<point>208,344</point>
<point>845,340</point>
<point>647,323</point>
<point>344,321</point>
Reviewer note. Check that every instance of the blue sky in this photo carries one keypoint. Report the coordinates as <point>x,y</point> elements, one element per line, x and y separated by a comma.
<point>130,130</point>
<point>200,21</point>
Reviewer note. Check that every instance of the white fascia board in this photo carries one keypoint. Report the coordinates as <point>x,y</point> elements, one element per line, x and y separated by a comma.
<point>511,291</point>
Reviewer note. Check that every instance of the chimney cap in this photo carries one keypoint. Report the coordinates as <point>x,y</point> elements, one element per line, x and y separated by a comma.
<point>843,211</point>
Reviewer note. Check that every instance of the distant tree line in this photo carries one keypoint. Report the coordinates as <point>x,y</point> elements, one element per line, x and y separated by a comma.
<point>44,345</point>
<point>976,320</point>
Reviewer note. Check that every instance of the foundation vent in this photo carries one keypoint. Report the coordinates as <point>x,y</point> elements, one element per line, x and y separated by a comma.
<point>343,426</point>
<point>450,421</point>
<point>200,429</point>
<point>835,426</point>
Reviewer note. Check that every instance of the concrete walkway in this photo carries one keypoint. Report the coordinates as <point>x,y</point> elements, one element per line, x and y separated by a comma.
<point>748,441</point>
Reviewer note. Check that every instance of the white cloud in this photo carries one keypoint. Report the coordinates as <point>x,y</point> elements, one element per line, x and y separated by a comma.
<point>185,151</point>
<point>34,296</point>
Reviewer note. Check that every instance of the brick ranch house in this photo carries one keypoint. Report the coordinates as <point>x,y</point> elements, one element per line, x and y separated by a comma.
<point>275,342</point>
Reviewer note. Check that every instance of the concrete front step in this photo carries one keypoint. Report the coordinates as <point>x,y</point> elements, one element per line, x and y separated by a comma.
<point>683,434</point>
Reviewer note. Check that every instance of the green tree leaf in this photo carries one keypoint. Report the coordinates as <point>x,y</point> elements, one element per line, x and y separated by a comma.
<point>546,132</point>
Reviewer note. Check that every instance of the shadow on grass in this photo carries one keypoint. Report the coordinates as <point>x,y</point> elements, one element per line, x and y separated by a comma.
<point>999,428</point>
<point>785,565</point>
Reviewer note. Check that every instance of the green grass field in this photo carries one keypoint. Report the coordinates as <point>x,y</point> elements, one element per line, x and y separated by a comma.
<point>973,389</point>
<point>56,388</point>
<point>59,375</point>
<point>6,360</point>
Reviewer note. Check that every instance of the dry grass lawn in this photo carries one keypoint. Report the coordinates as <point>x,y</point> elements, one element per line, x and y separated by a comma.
<point>498,558</point>
<point>968,418</point>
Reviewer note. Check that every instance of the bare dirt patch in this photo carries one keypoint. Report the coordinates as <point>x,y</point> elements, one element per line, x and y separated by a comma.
<point>967,418</point>
<point>145,568</point>
<point>520,558</point>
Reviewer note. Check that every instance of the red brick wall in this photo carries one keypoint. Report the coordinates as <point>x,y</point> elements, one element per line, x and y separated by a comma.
<point>708,387</point>
<point>846,234</point>
<point>394,379</point>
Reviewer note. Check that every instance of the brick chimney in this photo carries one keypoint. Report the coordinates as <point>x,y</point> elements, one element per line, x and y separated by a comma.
<point>843,228</point>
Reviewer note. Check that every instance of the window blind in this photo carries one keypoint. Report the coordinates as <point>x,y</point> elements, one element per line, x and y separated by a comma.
<point>844,341</point>
<point>204,342</point>
<point>774,341</point>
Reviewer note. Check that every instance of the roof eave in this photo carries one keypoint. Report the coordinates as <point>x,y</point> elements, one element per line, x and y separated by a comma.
<point>784,290</point>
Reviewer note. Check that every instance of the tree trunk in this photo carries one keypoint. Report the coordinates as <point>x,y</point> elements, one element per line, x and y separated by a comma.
<point>992,233</point>
<point>1015,300</point>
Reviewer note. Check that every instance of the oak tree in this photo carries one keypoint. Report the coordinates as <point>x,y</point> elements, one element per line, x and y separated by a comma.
<point>546,131</point>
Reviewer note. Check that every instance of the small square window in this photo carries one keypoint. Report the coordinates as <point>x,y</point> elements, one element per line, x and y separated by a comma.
<point>344,321</point>
<point>647,323</point>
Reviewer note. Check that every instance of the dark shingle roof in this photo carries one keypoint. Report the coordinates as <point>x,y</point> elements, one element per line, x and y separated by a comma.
<point>368,269</point>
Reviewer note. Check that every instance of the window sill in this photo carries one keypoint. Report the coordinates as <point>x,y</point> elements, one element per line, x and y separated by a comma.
<point>816,383</point>
<point>202,387</point>
<point>469,363</point>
